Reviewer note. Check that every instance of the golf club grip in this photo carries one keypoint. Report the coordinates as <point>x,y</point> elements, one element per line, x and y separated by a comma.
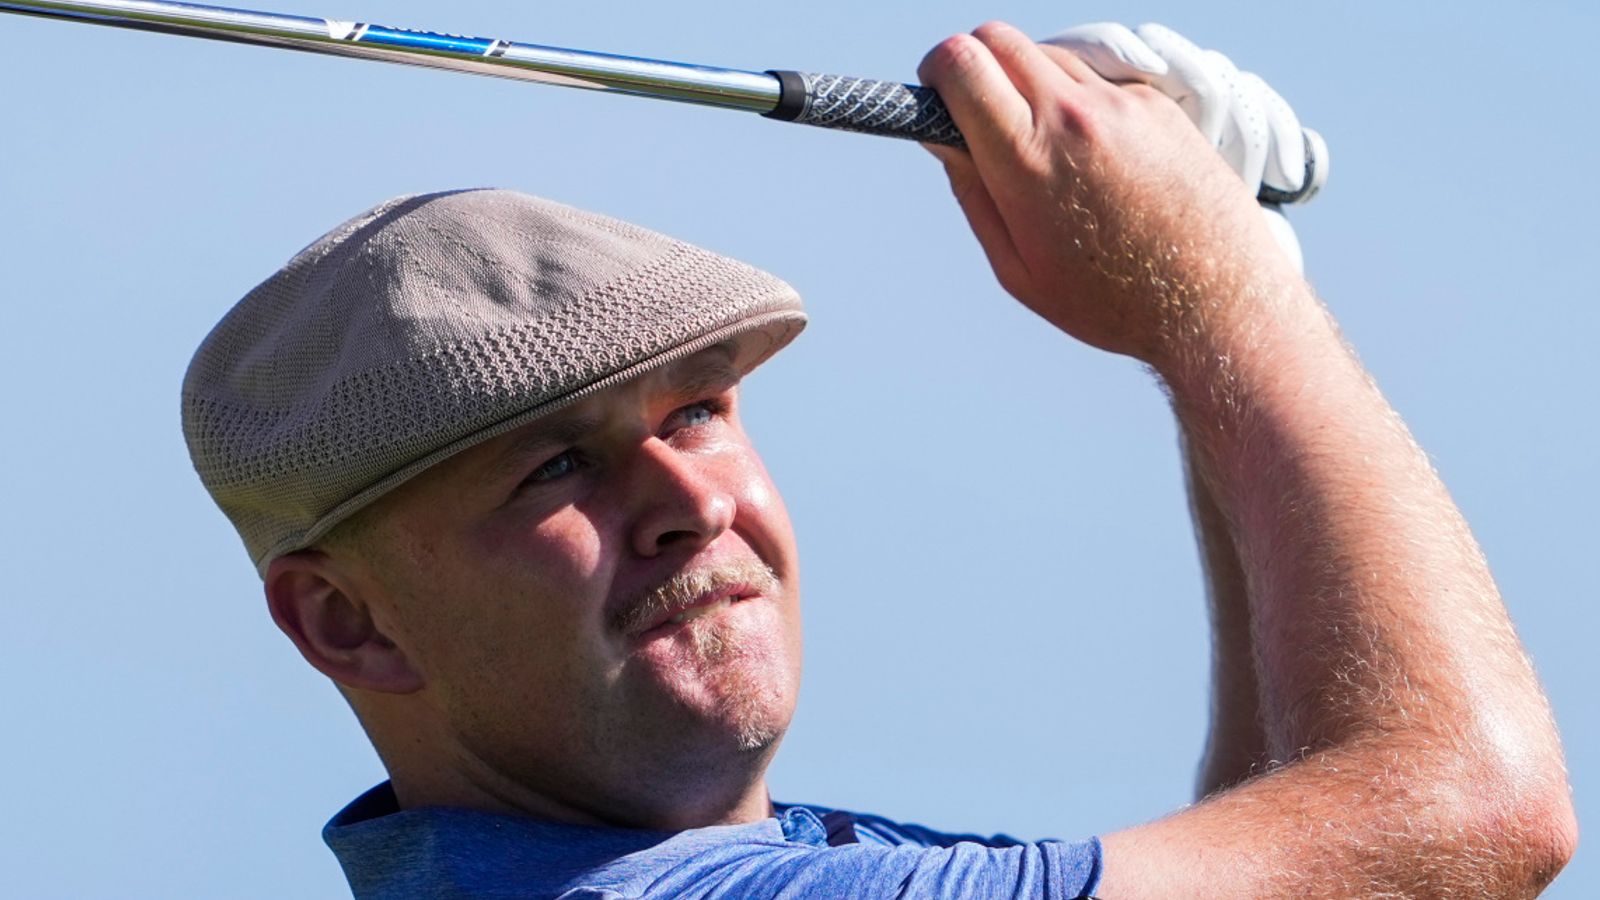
<point>914,112</point>
<point>886,108</point>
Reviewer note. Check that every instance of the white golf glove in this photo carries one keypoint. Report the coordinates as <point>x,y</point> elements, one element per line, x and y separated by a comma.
<point>1249,124</point>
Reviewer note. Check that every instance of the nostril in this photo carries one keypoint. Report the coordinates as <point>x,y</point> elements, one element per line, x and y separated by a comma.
<point>669,538</point>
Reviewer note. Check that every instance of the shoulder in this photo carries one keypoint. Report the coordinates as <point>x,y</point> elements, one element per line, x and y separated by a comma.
<point>917,861</point>
<point>883,831</point>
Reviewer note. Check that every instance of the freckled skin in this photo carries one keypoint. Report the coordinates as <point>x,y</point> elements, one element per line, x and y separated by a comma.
<point>502,597</point>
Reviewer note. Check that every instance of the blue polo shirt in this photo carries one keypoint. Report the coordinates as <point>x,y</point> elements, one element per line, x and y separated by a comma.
<point>803,851</point>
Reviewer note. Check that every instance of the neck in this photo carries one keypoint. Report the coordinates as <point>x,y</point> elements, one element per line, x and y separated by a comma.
<point>731,794</point>
<point>493,793</point>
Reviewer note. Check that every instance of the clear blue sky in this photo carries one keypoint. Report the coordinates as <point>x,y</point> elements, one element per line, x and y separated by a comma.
<point>1005,624</point>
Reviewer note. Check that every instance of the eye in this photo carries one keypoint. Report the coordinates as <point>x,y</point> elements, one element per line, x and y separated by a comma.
<point>556,467</point>
<point>696,415</point>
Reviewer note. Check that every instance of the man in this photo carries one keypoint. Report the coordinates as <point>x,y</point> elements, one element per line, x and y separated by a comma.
<point>486,452</point>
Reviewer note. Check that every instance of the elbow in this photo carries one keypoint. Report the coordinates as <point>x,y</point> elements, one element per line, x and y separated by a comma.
<point>1550,832</point>
<point>1516,797</point>
<point>1530,834</point>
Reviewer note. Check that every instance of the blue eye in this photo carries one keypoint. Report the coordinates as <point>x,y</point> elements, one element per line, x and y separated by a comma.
<point>698,414</point>
<point>557,467</point>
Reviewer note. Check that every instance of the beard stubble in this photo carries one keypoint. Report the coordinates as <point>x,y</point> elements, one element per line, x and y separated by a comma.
<point>750,699</point>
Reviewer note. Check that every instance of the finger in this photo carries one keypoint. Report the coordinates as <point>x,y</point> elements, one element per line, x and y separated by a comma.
<point>1245,135</point>
<point>1112,50</point>
<point>944,153</point>
<point>1189,81</point>
<point>991,113</point>
<point>1286,154</point>
<point>1038,76</point>
<point>978,205</point>
<point>1075,68</point>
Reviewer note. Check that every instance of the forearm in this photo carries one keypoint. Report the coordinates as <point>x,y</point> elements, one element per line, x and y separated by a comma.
<point>1371,601</point>
<point>1387,664</point>
<point>1236,745</point>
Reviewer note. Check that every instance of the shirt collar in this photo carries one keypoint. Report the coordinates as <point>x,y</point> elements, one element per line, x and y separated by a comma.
<point>384,849</point>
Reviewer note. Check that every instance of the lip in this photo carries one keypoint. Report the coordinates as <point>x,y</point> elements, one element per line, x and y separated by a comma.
<point>662,622</point>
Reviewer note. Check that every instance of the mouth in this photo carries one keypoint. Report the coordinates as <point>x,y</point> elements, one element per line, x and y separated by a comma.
<point>693,593</point>
<point>681,614</point>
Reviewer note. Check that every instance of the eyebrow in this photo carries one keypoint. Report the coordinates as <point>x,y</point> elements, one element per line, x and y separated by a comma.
<point>711,375</point>
<point>709,372</point>
<point>537,438</point>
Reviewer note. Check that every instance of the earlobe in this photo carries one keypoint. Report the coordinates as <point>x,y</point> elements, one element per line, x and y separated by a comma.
<point>322,612</point>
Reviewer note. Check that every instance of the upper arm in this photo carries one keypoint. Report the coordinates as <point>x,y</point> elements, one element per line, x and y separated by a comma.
<point>1380,820</point>
<point>1157,860</point>
<point>1252,841</point>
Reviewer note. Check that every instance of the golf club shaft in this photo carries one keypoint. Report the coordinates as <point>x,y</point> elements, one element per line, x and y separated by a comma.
<point>855,104</point>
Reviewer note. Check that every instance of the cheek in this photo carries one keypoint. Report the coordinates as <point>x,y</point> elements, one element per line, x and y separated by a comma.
<point>520,606</point>
<point>763,519</point>
<point>557,567</point>
<point>763,523</point>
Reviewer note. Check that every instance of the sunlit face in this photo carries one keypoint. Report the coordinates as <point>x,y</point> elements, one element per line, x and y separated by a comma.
<point>603,604</point>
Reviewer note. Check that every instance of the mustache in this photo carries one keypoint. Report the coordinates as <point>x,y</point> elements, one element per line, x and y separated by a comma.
<point>684,588</point>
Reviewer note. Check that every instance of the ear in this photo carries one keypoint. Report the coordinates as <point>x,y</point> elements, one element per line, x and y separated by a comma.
<point>320,608</point>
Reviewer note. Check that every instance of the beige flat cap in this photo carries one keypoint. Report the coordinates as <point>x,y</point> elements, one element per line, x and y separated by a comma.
<point>431,323</point>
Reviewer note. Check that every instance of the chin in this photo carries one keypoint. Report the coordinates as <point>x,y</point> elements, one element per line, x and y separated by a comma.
<point>754,708</point>
<point>740,686</point>
<point>758,733</point>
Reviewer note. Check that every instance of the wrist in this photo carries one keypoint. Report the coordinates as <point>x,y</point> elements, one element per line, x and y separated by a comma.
<point>1242,339</point>
<point>1214,284</point>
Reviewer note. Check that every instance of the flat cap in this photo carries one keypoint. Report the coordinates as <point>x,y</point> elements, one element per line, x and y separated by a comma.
<point>431,323</point>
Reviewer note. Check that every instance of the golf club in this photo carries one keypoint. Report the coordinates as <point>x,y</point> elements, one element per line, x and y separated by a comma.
<point>885,108</point>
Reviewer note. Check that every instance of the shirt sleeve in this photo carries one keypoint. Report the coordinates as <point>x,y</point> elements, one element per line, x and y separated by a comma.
<point>1045,870</point>
<point>877,829</point>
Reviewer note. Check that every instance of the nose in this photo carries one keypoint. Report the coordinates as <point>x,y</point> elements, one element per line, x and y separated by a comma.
<point>681,505</point>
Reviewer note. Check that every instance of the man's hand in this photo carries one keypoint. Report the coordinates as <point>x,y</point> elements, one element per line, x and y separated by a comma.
<point>1100,206</point>
<point>1253,128</point>
<point>1415,754</point>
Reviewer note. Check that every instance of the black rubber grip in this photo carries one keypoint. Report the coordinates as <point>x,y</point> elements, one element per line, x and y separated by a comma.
<point>913,112</point>
<point>886,108</point>
<point>1308,186</point>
